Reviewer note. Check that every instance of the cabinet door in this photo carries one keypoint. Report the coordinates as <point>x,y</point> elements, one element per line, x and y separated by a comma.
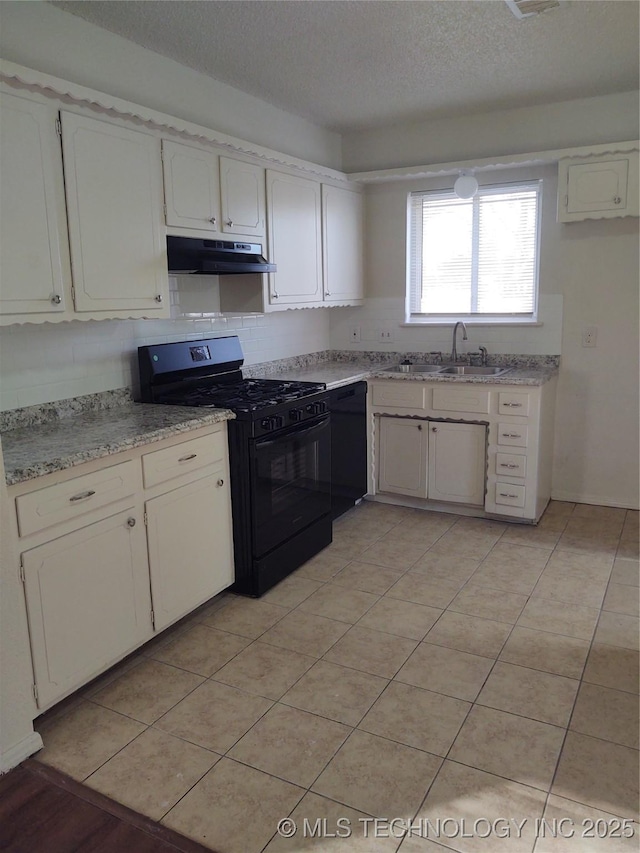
<point>242,195</point>
<point>190,551</point>
<point>191,187</point>
<point>457,462</point>
<point>87,603</point>
<point>34,252</point>
<point>295,240</point>
<point>342,235</point>
<point>598,188</point>
<point>118,253</point>
<point>402,461</point>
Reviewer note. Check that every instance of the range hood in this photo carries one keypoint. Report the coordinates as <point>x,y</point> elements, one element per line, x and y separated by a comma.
<point>190,256</point>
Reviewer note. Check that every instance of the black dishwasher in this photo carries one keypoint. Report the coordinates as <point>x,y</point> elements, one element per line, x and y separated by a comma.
<point>348,406</point>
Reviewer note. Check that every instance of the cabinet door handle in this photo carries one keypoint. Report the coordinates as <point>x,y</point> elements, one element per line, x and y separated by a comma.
<point>56,299</point>
<point>508,465</point>
<point>159,298</point>
<point>82,495</point>
<point>420,427</point>
<point>617,200</point>
<point>434,429</point>
<point>513,405</point>
<point>212,220</point>
<point>274,295</point>
<point>511,435</point>
<point>131,522</point>
<point>187,458</point>
<point>507,495</point>
<point>220,482</point>
<point>230,223</point>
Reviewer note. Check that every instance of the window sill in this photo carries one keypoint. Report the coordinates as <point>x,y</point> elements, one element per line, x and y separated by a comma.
<point>470,322</point>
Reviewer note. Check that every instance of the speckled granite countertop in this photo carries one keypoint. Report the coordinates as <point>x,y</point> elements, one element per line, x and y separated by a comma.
<point>514,376</point>
<point>338,373</point>
<point>32,451</point>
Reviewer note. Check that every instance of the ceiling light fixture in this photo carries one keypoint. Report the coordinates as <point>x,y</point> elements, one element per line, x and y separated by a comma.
<point>528,8</point>
<point>465,186</point>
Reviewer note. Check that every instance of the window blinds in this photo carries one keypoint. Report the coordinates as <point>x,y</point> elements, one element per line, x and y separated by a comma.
<point>475,256</point>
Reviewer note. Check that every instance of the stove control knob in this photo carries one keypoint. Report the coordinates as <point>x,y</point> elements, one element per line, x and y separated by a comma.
<point>316,408</point>
<point>271,423</point>
<point>296,415</point>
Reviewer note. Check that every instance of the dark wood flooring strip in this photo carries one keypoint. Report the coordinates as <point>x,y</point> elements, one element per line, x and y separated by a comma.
<point>45,811</point>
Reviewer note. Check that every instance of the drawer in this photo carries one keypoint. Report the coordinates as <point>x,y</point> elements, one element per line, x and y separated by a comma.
<point>75,498</point>
<point>509,495</point>
<point>461,400</point>
<point>509,463</point>
<point>513,404</point>
<point>516,436</point>
<point>400,395</point>
<point>162,465</point>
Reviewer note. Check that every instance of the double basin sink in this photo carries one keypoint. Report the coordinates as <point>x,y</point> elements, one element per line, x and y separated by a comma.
<point>447,369</point>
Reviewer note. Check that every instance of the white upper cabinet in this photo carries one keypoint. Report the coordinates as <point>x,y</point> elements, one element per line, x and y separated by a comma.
<point>118,252</point>
<point>206,192</point>
<point>598,187</point>
<point>295,240</point>
<point>343,244</point>
<point>191,187</point>
<point>242,195</point>
<point>34,252</point>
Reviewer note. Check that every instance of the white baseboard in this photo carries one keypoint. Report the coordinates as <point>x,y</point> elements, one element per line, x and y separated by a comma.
<point>11,757</point>
<point>594,500</point>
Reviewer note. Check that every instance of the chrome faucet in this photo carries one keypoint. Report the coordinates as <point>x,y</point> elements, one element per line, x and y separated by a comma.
<point>454,351</point>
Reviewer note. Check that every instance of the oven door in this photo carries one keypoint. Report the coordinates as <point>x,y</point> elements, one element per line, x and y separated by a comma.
<point>290,482</point>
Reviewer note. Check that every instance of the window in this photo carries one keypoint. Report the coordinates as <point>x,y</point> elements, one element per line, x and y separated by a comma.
<point>474,258</point>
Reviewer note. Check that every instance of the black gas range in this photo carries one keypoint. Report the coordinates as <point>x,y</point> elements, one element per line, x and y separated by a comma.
<point>279,452</point>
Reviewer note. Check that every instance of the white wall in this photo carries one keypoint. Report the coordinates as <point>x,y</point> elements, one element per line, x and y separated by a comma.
<point>588,276</point>
<point>43,37</point>
<point>588,121</point>
<point>41,363</point>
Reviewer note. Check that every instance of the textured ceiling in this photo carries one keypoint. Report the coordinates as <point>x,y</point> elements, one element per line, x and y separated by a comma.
<point>357,64</point>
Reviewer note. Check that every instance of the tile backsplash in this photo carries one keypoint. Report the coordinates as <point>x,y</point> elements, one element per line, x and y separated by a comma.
<point>387,314</point>
<point>48,362</point>
<point>43,363</point>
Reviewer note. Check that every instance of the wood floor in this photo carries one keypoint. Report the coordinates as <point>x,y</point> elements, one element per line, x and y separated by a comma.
<point>44,811</point>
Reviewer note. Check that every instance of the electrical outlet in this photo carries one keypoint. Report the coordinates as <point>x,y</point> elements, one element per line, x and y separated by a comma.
<point>354,334</point>
<point>590,337</point>
<point>385,335</point>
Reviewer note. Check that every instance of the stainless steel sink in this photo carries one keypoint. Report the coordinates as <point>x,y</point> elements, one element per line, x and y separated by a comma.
<point>414,368</point>
<point>466,370</point>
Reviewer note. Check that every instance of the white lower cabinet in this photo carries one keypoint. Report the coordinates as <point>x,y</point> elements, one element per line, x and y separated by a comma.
<point>438,461</point>
<point>190,556</point>
<point>457,463</point>
<point>87,602</point>
<point>95,584</point>
<point>483,446</point>
<point>403,459</point>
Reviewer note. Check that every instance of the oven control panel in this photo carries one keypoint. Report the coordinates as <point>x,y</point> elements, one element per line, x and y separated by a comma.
<point>297,414</point>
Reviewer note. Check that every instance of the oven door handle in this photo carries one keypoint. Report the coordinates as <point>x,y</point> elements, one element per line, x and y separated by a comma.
<point>293,431</point>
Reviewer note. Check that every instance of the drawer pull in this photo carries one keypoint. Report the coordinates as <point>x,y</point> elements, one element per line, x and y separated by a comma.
<point>82,495</point>
<point>507,495</point>
<point>220,482</point>
<point>513,405</point>
<point>131,522</point>
<point>511,435</point>
<point>508,465</point>
<point>187,458</point>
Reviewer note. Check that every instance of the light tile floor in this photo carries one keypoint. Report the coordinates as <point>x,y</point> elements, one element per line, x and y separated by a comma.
<point>468,676</point>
